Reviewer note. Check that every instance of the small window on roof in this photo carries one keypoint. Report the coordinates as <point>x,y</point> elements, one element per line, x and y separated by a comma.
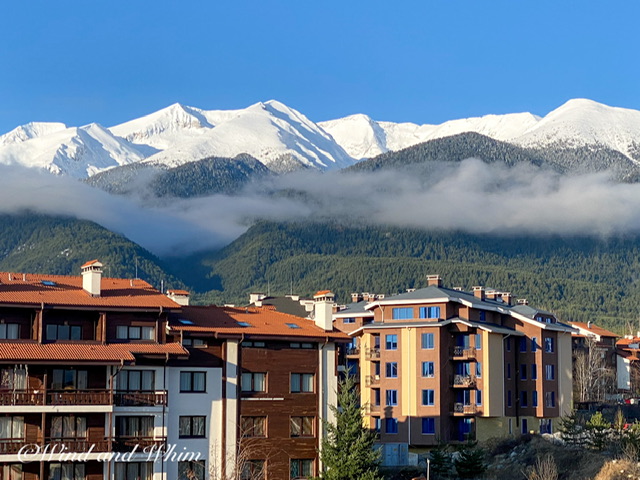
<point>244,324</point>
<point>293,325</point>
<point>184,321</point>
<point>48,283</point>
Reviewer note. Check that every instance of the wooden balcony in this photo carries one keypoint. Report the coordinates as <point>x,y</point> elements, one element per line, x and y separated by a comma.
<point>463,353</point>
<point>22,397</point>
<point>11,445</point>
<point>140,444</point>
<point>372,353</point>
<point>79,397</point>
<point>464,381</point>
<point>371,380</point>
<point>140,399</point>
<point>460,410</point>
<point>63,445</point>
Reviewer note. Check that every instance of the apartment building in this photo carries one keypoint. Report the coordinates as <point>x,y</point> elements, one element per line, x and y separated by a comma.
<point>439,364</point>
<point>138,385</point>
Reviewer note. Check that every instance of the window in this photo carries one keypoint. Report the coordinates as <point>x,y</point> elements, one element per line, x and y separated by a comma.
<point>534,371</point>
<point>9,331</point>
<point>534,344</point>
<point>191,426</point>
<point>68,379</point>
<point>138,427</point>
<point>12,428</point>
<point>349,320</point>
<point>193,382</point>
<point>391,398</point>
<point>523,344</point>
<point>128,332</point>
<point>136,380</point>
<point>428,369</point>
<point>427,341</point>
<point>478,341</point>
<point>525,426</point>
<point>14,378</point>
<point>548,344</point>
<point>253,382</point>
<point>508,398</point>
<point>508,344</point>
<point>550,399</point>
<point>508,370</point>
<point>133,470</point>
<point>479,369</point>
<point>262,344</point>
<point>478,397</point>
<point>376,396</point>
<point>429,312</point>
<point>300,468</point>
<point>66,471</point>
<point>302,383</point>
<point>391,425</point>
<point>391,342</point>
<point>549,372</point>
<point>193,342</point>
<point>483,316</point>
<point>193,470</point>
<point>523,399</point>
<point>377,424</point>
<point>11,471</point>
<point>290,325</point>
<point>523,372</point>
<point>429,426</point>
<point>534,398</point>
<point>64,332</point>
<point>545,425</point>
<point>253,470</point>
<point>428,397</point>
<point>253,426</point>
<point>302,426</point>
<point>403,313</point>
<point>68,426</point>
<point>392,369</point>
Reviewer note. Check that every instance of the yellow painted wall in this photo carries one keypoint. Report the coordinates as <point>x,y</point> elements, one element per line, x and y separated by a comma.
<point>493,374</point>
<point>409,371</point>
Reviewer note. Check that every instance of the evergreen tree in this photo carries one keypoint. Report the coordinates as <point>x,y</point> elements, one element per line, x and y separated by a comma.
<point>599,430</point>
<point>471,463</point>
<point>441,465</point>
<point>347,451</point>
<point>571,429</point>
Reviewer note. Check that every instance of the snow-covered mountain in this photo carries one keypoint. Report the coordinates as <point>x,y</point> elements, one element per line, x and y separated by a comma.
<point>78,151</point>
<point>284,139</point>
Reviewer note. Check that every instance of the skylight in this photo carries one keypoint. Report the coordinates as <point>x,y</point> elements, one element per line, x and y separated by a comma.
<point>244,324</point>
<point>184,321</point>
<point>48,283</point>
<point>293,325</point>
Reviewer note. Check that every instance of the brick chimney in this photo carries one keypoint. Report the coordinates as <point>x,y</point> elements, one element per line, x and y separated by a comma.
<point>181,297</point>
<point>356,297</point>
<point>507,298</point>
<point>434,281</point>
<point>323,310</point>
<point>92,277</point>
<point>478,292</point>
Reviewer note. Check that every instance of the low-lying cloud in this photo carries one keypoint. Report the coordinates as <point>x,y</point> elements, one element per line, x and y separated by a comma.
<point>470,196</point>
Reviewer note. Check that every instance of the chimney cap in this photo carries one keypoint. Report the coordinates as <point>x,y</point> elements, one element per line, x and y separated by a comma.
<point>92,263</point>
<point>323,293</point>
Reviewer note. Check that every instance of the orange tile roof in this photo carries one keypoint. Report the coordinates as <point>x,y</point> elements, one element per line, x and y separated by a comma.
<point>115,292</point>
<point>594,329</point>
<point>322,292</point>
<point>625,342</point>
<point>263,321</point>
<point>90,262</point>
<point>179,292</point>
<point>78,352</point>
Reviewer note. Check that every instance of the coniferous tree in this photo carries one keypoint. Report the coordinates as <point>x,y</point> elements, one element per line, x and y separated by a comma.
<point>471,463</point>
<point>441,465</point>
<point>347,451</point>
<point>571,429</point>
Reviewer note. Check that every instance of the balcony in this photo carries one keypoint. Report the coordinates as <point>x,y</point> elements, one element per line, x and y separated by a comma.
<point>139,444</point>
<point>463,353</point>
<point>464,381</point>
<point>353,352</point>
<point>141,398</point>
<point>371,380</point>
<point>460,409</point>
<point>370,409</point>
<point>55,397</point>
<point>373,353</point>
<point>11,445</point>
<point>81,445</point>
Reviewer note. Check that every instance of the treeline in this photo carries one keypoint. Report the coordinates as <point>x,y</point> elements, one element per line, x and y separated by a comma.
<point>580,279</point>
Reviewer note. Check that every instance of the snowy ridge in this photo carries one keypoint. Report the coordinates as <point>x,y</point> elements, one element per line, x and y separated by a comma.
<point>29,131</point>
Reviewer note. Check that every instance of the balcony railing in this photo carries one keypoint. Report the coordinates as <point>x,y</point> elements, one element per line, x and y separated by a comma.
<point>464,381</point>
<point>63,445</point>
<point>140,399</point>
<point>369,409</point>
<point>463,352</point>
<point>353,351</point>
<point>11,445</point>
<point>373,353</point>
<point>462,409</point>
<point>140,444</point>
<point>79,397</point>
<point>22,397</point>
<point>372,380</point>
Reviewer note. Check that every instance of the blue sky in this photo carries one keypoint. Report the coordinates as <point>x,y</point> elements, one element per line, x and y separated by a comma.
<point>424,61</point>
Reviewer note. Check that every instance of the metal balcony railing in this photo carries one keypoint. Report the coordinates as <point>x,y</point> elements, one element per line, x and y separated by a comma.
<point>463,352</point>
<point>462,409</point>
<point>464,381</point>
<point>146,398</point>
<point>373,353</point>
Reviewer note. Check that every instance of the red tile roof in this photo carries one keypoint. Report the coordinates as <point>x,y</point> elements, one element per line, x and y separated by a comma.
<point>178,292</point>
<point>594,329</point>
<point>90,262</point>
<point>115,292</point>
<point>263,321</point>
<point>78,352</point>
<point>322,293</point>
